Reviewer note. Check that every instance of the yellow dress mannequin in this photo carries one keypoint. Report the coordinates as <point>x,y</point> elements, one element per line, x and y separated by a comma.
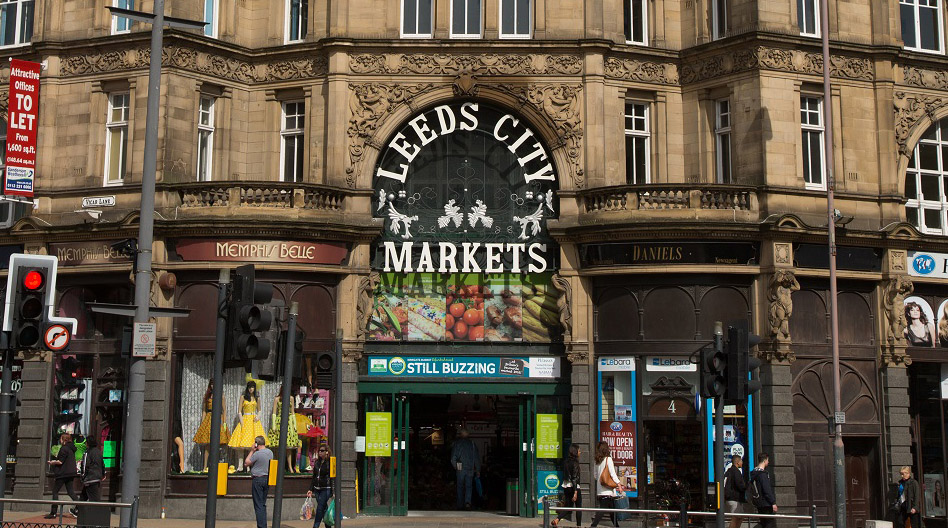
<point>249,427</point>
<point>203,435</point>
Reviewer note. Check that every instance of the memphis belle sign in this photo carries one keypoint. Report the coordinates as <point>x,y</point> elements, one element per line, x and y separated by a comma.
<point>465,187</point>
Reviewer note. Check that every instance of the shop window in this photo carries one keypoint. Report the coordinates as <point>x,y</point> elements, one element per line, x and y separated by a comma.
<point>6,208</point>
<point>294,119</point>
<point>808,17</point>
<point>465,18</point>
<point>297,13</point>
<point>929,412</point>
<point>635,16</point>
<point>116,144</point>
<point>859,327</point>
<point>811,122</point>
<point>722,140</point>
<point>416,18</point>
<point>16,22</point>
<point>725,304</point>
<point>637,143</point>
<point>921,25</point>
<point>669,314</point>
<point>808,322</point>
<point>718,18</point>
<point>122,24</point>
<point>515,18</point>
<point>205,145</point>
<point>926,181</point>
<point>617,315</point>
<point>618,412</point>
<point>210,17</point>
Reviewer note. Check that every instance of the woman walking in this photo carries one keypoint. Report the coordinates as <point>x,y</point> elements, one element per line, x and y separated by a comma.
<point>909,494</point>
<point>607,484</point>
<point>322,484</point>
<point>571,494</point>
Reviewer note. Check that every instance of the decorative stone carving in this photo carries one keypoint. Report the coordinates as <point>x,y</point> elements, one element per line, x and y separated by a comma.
<point>782,285</point>
<point>795,61</point>
<point>908,110</point>
<point>465,85</point>
<point>564,304</point>
<point>367,286</point>
<point>577,353</point>
<point>352,352</point>
<point>897,260</point>
<point>646,71</point>
<point>894,303</point>
<point>937,79</point>
<point>783,253</point>
<point>450,64</point>
<point>367,104</point>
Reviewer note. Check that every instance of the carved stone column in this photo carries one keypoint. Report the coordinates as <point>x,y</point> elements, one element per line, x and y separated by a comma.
<point>893,361</point>
<point>352,351</point>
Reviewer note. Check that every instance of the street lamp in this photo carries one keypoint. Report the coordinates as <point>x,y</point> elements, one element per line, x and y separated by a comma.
<point>132,444</point>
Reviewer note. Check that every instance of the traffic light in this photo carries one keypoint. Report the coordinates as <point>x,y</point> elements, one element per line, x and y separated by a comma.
<point>248,317</point>
<point>740,362</point>
<point>326,365</point>
<point>713,372</point>
<point>31,288</point>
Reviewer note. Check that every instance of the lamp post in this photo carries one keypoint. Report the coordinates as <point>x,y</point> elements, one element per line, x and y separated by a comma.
<point>132,444</point>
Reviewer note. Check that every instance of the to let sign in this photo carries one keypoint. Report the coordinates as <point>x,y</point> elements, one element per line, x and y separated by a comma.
<point>21,128</point>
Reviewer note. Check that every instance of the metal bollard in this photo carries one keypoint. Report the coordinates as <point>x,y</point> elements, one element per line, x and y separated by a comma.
<point>546,512</point>
<point>813,516</point>
<point>683,516</point>
<point>133,515</point>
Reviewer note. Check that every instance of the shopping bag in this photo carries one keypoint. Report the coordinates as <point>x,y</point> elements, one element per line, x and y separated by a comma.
<point>330,518</point>
<point>622,503</point>
<point>306,511</point>
<point>478,487</point>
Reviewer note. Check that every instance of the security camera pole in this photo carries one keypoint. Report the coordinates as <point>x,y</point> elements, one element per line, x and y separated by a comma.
<point>132,444</point>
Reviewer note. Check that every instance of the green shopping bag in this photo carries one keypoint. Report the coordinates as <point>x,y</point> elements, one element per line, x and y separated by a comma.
<point>330,518</point>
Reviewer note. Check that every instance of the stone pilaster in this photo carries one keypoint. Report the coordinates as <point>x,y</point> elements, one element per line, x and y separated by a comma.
<point>583,412</point>
<point>895,410</point>
<point>349,422</point>
<point>33,432</point>
<point>776,429</point>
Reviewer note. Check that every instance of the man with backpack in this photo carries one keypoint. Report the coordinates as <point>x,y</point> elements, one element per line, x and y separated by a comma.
<point>762,491</point>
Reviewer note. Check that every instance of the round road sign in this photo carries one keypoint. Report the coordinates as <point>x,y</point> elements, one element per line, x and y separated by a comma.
<point>56,337</point>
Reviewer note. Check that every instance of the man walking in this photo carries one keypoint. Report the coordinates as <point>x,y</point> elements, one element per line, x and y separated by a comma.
<point>93,472</point>
<point>467,463</point>
<point>735,486</point>
<point>259,463</point>
<point>762,491</point>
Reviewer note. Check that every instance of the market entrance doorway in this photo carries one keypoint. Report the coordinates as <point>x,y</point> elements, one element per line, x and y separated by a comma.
<point>673,453</point>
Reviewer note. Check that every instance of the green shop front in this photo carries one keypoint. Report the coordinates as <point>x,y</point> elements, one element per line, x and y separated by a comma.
<point>464,332</point>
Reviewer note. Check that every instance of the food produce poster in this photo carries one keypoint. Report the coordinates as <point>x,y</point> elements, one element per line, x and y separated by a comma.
<point>378,434</point>
<point>550,436</point>
<point>464,367</point>
<point>463,307</point>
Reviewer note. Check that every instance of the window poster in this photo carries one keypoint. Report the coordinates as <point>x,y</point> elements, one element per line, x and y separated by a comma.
<point>934,495</point>
<point>920,322</point>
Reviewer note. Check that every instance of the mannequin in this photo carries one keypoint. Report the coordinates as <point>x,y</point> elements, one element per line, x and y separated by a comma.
<point>249,427</point>
<point>292,437</point>
<point>203,435</point>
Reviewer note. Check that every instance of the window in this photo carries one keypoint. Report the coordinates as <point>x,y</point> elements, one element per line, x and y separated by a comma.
<point>6,208</point>
<point>515,19</point>
<point>921,24</point>
<point>636,143</point>
<point>116,144</point>
<point>210,16</point>
<point>416,18</point>
<point>205,138</point>
<point>465,18</point>
<point>926,181</point>
<point>122,24</point>
<point>294,115</point>
<point>16,22</point>
<point>636,26</point>
<point>296,15</point>
<point>722,143</point>
<point>808,18</point>
<point>811,121</point>
<point>718,18</point>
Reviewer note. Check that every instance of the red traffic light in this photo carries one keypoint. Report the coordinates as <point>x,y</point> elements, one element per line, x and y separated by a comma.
<point>33,280</point>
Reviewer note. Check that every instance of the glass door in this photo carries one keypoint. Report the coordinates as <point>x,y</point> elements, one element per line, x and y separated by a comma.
<point>385,464</point>
<point>528,459</point>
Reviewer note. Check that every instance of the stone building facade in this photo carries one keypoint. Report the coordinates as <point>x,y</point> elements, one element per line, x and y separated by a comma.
<point>685,137</point>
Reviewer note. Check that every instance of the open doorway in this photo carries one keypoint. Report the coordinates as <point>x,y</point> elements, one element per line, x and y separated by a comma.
<point>673,450</point>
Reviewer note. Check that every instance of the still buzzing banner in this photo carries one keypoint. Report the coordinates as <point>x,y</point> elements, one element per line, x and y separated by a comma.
<point>465,307</point>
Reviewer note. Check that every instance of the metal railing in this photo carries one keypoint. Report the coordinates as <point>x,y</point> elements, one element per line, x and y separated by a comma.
<point>133,506</point>
<point>680,513</point>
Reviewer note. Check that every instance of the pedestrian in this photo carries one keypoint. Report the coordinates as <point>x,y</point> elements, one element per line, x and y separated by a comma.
<point>322,485</point>
<point>93,472</point>
<point>467,464</point>
<point>909,493</point>
<point>572,496</point>
<point>608,485</point>
<point>735,487</point>
<point>64,472</point>
<point>762,491</point>
<point>259,462</point>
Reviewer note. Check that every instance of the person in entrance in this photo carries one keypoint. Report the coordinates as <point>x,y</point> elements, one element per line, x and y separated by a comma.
<point>608,485</point>
<point>467,463</point>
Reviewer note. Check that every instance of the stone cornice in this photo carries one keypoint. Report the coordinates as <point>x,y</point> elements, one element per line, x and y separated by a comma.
<point>474,63</point>
<point>774,59</point>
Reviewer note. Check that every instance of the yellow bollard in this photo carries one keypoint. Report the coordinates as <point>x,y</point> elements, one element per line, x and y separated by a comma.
<point>222,478</point>
<point>274,469</point>
<point>332,467</point>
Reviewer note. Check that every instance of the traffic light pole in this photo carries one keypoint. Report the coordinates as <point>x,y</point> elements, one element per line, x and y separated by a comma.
<point>214,448</point>
<point>337,428</point>
<point>7,408</point>
<point>285,406</point>
<point>719,435</point>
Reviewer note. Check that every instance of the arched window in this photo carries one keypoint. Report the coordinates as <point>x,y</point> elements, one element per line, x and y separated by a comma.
<point>926,181</point>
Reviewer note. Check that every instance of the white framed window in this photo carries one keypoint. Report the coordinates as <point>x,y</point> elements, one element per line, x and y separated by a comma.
<point>291,146</point>
<point>718,19</point>
<point>297,11</point>
<point>210,17</point>
<point>205,146</point>
<point>722,141</point>
<point>922,25</point>
<point>808,17</point>
<point>16,22</point>
<point>926,181</point>
<point>116,143</point>
<point>122,24</point>
<point>637,139</point>
<point>516,18</point>
<point>416,18</point>
<point>6,208</point>
<point>814,155</point>
<point>465,18</point>
<point>635,14</point>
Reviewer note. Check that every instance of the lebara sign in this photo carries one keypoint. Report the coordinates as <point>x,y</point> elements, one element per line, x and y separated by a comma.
<point>925,264</point>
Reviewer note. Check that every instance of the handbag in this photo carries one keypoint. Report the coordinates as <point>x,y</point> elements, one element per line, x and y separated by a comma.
<point>605,478</point>
<point>478,487</point>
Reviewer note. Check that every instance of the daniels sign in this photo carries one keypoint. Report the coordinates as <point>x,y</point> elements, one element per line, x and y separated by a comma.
<point>468,188</point>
